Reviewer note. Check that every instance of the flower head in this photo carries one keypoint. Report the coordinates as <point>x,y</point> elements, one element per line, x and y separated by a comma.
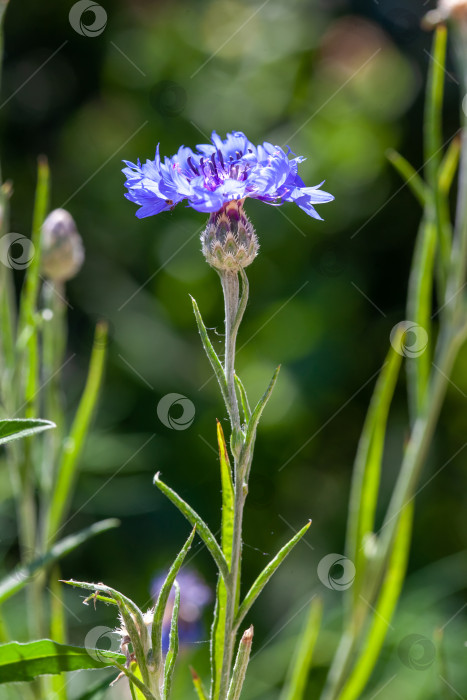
<point>218,173</point>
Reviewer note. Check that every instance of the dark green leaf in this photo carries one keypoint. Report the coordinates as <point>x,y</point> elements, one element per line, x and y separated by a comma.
<point>24,662</point>
<point>14,428</point>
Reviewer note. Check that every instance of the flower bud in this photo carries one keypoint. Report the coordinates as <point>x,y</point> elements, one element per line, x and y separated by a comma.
<point>229,240</point>
<point>62,247</point>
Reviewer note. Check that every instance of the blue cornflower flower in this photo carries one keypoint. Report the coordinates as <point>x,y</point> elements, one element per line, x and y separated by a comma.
<point>218,173</point>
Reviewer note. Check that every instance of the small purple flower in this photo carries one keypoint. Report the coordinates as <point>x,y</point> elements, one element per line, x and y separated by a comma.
<point>218,173</point>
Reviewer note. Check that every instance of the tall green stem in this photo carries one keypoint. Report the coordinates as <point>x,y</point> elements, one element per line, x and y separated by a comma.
<point>233,313</point>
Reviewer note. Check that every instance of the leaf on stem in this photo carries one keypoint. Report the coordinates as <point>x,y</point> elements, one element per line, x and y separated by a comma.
<point>24,662</point>
<point>241,665</point>
<point>163,597</point>
<point>14,428</point>
<point>211,353</point>
<point>302,657</point>
<point>218,626</point>
<point>201,693</point>
<point>243,399</point>
<point>171,657</point>
<point>228,496</point>
<point>266,574</point>
<point>196,521</point>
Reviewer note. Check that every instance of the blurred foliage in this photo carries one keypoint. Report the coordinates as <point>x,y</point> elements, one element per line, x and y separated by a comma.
<point>340,82</point>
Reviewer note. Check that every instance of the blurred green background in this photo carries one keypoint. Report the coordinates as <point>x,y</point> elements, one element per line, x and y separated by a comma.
<point>339,82</point>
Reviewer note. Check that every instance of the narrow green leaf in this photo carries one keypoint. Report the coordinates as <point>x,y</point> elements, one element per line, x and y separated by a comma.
<point>434,105</point>
<point>172,654</point>
<point>14,428</point>
<point>24,662</point>
<point>367,466</point>
<point>74,444</point>
<point>241,665</point>
<point>409,175</point>
<point>211,353</point>
<point>449,165</point>
<point>437,212</point>
<point>266,574</point>
<point>419,311</point>
<point>218,637</point>
<point>20,577</point>
<point>256,415</point>
<point>243,399</point>
<point>7,289</point>
<point>384,609</point>
<point>228,498</point>
<point>161,604</point>
<point>32,280</point>
<point>196,521</point>
<point>302,657</point>
<point>201,693</point>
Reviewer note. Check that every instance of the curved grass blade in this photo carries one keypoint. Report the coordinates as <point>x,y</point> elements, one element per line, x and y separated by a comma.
<point>241,665</point>
<point>15,428</point>
<point>419,311</point>
<point>30,289</point>
<point>21,576</point>
<point>211,353</point>
<point>172,654</point>
<point>409,175</point>
<point>266,574</point>
<point>196,521</point>
<point>162,598</point>
<point>73,445</point>
<point>302,657</point>
<point>367,467</point>
<point>384,608</point>
<point>449,164</point>
<point>25,661</point>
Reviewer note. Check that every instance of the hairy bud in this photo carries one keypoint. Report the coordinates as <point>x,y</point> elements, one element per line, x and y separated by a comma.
<point>62,247</point>
<point>229,240</point>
